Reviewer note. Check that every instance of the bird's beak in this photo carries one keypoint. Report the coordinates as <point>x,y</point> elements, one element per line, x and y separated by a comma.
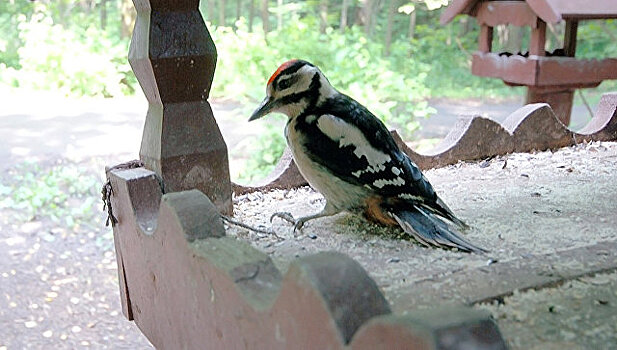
<point>264,108</point>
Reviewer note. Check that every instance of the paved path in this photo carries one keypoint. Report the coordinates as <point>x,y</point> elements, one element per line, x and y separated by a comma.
<point>448,111</point>
<point>35,127</point>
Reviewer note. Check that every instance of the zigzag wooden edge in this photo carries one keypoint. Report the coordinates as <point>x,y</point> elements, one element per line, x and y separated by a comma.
<point>603,126</point>
<point>284,176</point>
<point>533,127</point>
<point>185,284</point>
<point>442,328</point>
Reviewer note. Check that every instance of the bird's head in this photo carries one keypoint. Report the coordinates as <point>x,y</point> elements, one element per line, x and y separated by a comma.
<point>294,86</point>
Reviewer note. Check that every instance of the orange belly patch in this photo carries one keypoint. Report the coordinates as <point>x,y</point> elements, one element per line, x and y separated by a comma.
<point>374,212</point>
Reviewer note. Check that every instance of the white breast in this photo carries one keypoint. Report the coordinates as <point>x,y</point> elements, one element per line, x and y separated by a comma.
<point>338,193</point>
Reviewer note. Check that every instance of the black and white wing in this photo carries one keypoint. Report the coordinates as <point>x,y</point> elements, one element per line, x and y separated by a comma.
<point>355,146</point>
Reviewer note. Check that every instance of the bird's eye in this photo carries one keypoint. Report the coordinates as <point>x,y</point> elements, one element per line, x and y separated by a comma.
<point>284,84</point>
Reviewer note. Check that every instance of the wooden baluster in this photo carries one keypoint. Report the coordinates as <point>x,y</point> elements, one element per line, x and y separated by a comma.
<point>174,57</point>
<point>485,41</point>
<point>538,39</point>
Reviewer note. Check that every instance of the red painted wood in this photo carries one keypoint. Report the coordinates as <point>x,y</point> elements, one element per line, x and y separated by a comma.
<point>544,71</point>
<point>569,42</point>
<point>551,11</point>
<point>485,41</point>
<point>554,11</point>
<point>537,41</point>
<point>517,13</point>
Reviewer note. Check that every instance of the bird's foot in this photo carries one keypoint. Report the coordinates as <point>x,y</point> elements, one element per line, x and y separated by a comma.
<point>289,218</point>
<point>283,215</point>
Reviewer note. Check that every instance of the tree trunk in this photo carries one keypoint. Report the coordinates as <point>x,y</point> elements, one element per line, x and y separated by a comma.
<point>279,15</point>
<point>465,26</point>
<point>392,6</point>
<point>265,20</point>
<point>366,16</point>
<point>323,16</point>
<point>344,8</point>
<point>353,15</point>
<point>103,14</point>
<point>516,39</point>
<point>557,32</point>
<point>128,15</point>
<point>510,38</point>
<point>238,10</point>
<point>412,24</point>
<point>64,9</point>
<point>222,4</point>
<point>251,14</point>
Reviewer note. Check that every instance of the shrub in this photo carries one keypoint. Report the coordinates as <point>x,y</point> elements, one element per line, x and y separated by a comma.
<point>71,62</point>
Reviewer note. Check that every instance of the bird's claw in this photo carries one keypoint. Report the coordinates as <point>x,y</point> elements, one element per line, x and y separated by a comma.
<point>298,225</point>
<point>285,216</point>
<point>289,218</point>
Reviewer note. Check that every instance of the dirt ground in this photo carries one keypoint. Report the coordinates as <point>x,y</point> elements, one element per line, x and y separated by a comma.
<point>579,314</point>
<point>59,283</point>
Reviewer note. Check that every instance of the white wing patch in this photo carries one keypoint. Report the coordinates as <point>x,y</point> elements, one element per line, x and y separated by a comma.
<point>410,197</point>
<point>311,118</point>
<point>382,182</point>
<point>348,135</point>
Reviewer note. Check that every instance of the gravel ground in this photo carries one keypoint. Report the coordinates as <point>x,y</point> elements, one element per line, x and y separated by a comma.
<point>580,314</point>
<point>511,202</point>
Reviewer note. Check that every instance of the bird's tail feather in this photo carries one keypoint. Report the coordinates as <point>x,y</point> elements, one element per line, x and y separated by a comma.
<point>429,229</point>
<point>444,211</point>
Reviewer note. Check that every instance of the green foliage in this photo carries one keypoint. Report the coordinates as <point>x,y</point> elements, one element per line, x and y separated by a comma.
<point>394,91</point>
<point>352,63</point>
<point>268,150</point>
<point>450,62</point>
<point>10,16</point>
<point>596,39</point>
<point>75,60</point>
<point>60,193</point>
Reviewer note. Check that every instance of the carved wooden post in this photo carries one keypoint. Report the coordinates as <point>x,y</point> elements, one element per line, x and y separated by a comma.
<point>560,98</point>
<point>174,57</point>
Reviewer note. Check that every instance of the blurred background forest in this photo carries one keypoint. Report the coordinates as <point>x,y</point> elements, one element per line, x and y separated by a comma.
<point>391,55</point>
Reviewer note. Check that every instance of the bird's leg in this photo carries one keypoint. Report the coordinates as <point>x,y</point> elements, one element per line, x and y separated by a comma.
<point>285,215</point>
<point>328,210</point>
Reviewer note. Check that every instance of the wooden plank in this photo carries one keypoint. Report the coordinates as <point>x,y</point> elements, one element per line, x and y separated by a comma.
<point>553,11</point>
<point>517,13</point>
<point>560,101</point>
<point>485,41</point>
<point>538,39</point>
<point>569,41</point>
<point>456,8</point>
<point>502,279</point>
<point>514,69</point>
<point>544,71</point>
<point>568,70</point>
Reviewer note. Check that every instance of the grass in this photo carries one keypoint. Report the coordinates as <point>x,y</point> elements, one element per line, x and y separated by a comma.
<point>65,193</point>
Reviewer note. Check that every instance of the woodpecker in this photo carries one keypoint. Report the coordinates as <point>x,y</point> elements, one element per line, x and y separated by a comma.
<point>349,156</point>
